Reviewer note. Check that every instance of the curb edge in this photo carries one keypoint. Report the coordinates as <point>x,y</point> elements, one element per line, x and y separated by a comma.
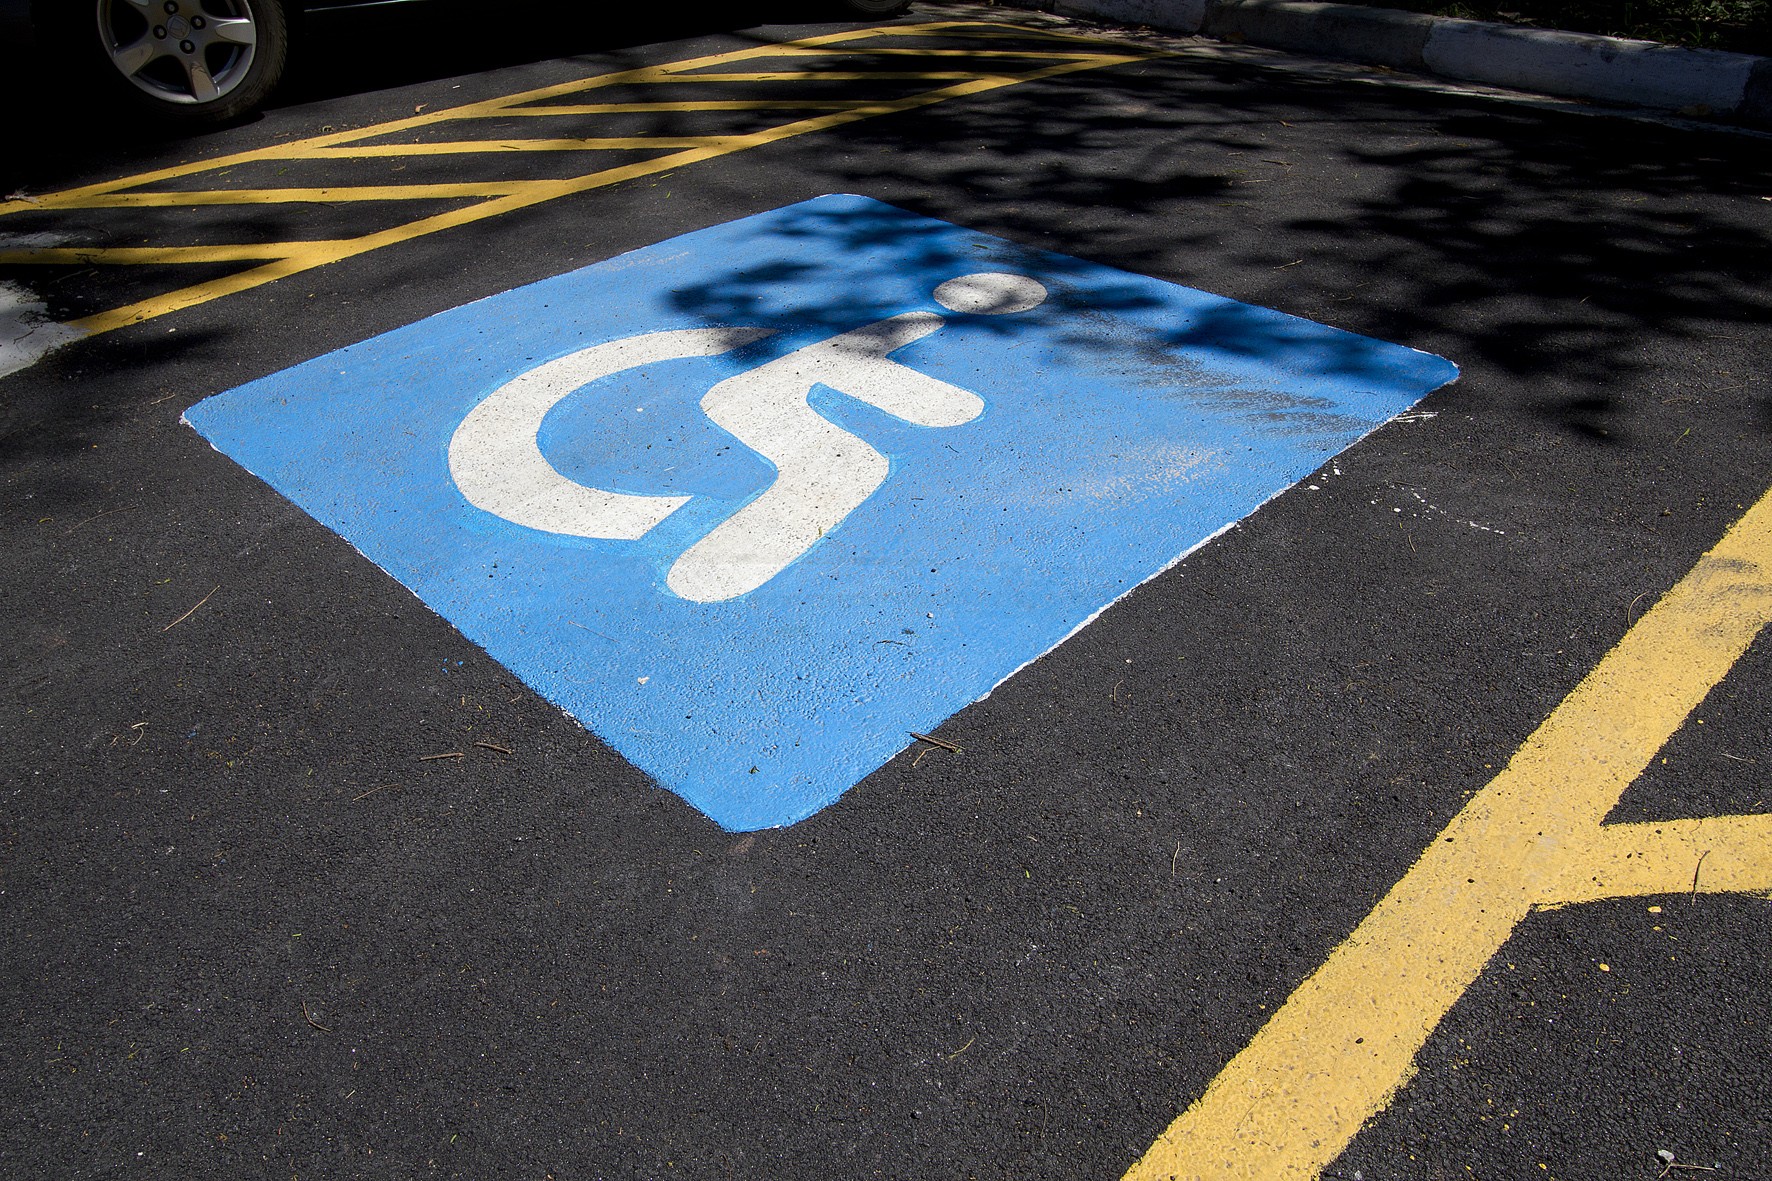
<point>1728,87</point>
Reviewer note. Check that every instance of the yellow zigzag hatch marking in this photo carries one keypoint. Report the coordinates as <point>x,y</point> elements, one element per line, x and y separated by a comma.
<point>494,198</point>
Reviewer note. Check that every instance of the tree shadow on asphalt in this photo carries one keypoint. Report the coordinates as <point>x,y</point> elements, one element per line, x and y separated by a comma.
<point>1610,275</point>
<point>1572,254</point>
<point>372,49</point>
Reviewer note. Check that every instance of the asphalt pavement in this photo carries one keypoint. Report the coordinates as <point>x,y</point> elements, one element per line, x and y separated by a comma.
<point>299,880</point>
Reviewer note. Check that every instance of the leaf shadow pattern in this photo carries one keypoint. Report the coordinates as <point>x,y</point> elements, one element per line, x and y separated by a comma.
<point>886,985</point>
<point>1571,254</point>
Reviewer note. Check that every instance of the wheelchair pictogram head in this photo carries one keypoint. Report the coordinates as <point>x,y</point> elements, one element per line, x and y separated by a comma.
<point>991,293</point>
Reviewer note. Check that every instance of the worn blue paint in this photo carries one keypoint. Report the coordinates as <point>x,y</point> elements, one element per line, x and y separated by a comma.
<point>1127,420</point>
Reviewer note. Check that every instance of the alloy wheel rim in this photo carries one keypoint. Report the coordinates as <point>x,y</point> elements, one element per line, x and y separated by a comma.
<point>186,52</point>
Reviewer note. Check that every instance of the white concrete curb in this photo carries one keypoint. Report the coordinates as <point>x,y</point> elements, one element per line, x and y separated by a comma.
<point>1729,86</point>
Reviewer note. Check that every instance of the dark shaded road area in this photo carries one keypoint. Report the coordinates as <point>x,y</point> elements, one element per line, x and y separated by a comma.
<point>252,929</point>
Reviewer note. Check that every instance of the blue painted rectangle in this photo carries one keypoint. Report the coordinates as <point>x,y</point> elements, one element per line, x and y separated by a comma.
<point>1125,420</point>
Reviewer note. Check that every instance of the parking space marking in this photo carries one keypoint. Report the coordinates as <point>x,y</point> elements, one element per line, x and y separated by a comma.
<point>302,195</point>
<point>186,255</point>
<point>495,197</point>
<point>1535,838</point>
<point>647,108</point>
<point>758,503</point>
<point>625,143</point>
<point>329,196</point>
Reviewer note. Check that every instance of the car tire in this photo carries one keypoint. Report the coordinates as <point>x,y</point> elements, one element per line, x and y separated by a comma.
<point>180,63</point>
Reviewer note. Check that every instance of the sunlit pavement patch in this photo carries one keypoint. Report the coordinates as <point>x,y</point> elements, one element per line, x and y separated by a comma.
<point>755,503</point>
<point>27,334</point>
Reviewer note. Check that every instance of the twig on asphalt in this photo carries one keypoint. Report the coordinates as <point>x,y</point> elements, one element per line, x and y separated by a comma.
<point>1670,1164</point>
<point>309,1018</point>
<point>192,611</point>
<point>943,743</point>
<point>141,731</point>
<point>1695,870</point>
<point>128,508</point>
<point>451,754</point>
<point>503,750</point>
<point>372,791</point>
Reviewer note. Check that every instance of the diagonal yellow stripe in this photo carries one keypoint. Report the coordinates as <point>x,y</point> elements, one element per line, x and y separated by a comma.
<point>297,257</point>
<point>875,51</point>
<point>1346,1040</point>
<point>314,196</point>
<point>833,76</point>
<point>138,255</point>
<point>640,75</point>
<point>561,110</point>
<point>626,143</point>
<point>989,31</point>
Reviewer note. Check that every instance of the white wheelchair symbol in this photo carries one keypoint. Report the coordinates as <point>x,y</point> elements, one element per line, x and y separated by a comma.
<point>823,473</point>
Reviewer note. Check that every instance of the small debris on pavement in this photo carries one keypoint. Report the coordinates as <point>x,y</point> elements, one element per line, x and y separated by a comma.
<point>372,791</point>
<point>192,611</point>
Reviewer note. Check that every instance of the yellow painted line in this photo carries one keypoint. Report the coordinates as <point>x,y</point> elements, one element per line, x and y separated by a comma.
<point>991,31</point>
<point>715,104</point>
<point>1712,855</point>
<point>839,76</point>
<point>315,196</point>
<point>1346,1040</point>
<point>140,255</point>
<point>304,256</point>
<point>639,75</point>
<point>625,143</point>
<point>873,51</point>
<point>495,198</point>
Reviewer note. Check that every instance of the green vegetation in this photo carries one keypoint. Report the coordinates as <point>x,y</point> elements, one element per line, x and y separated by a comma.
<point>1744,26</point>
